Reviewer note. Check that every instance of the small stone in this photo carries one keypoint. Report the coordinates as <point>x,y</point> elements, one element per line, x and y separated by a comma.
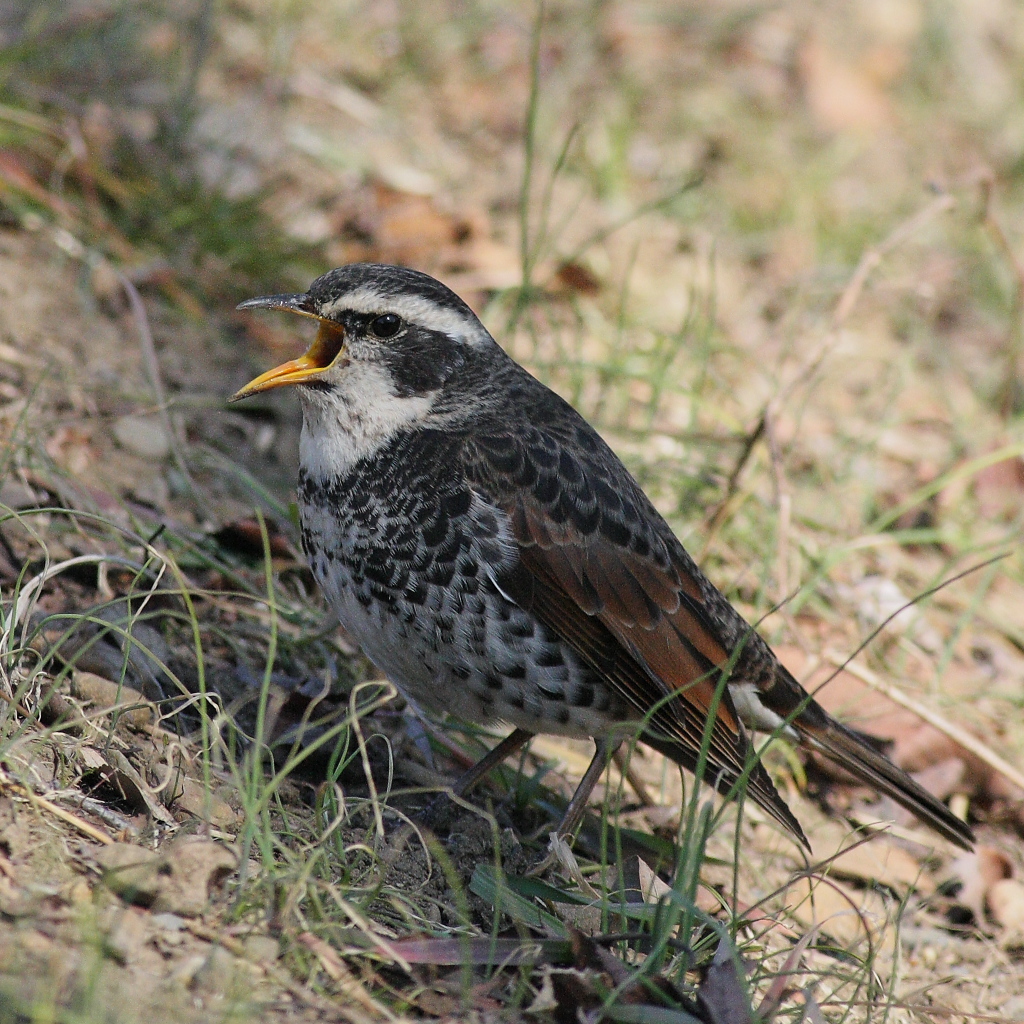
<point>143,436</point>
<point>262,949</point>
<point>16,495</point>
<point>191,868</point>
<point>175,880</point>
<point>79,894</point>
<point>128,935</point>
<point>132,872</point>
<point>193,798</point>
<point>215,975</point>
<point>169,922</point>
<point>106,285</point>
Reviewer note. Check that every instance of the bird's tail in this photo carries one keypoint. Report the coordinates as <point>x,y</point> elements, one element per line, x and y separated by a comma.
<point>822,733</point>
<point>758,785</point>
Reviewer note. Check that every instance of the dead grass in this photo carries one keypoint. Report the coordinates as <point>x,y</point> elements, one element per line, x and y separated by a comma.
<point>770,252</point>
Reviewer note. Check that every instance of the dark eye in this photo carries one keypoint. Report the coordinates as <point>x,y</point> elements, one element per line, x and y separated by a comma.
<point>386,326</point>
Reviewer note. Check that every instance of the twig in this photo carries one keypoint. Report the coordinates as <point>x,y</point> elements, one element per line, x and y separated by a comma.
<point>1015,333</point>
<point>959,736</point>
<point>784,501</point>
<point>102,811</point>
<point>732,484</point>
<point>84,827</point>
<point>174,435</point>
<point>869,261</point>
<point>348,985</point>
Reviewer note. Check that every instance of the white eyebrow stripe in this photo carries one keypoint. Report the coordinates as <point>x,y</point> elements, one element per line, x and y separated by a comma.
<point>413,308</point>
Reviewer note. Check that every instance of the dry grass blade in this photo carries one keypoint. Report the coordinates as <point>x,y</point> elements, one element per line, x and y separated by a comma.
<point>484,951</point>
<point>171,428</point>
<point>777,991</point>
<point>12,786</point>
<point>349,986</point>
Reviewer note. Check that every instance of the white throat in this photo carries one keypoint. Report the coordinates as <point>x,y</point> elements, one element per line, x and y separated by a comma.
<point>354,420</point>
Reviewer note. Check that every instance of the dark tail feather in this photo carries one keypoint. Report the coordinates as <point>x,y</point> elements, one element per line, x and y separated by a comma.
<point>854,755</point>
<point>759,786</point>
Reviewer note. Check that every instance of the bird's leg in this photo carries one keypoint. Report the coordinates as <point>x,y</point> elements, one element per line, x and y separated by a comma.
<point>629,773</point>
<point>578,804</point>
<point>514,741</point>
<point>559,851</point>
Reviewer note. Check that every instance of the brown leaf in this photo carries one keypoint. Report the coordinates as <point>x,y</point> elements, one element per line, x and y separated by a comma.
<point>576,277</point>
<point>244,536</point>
<point>999,488</point>
<point>846,914</point>
<point>722,995</point>
<point>916,745</point>
<point>883,863</point>
<point>192,797</point>
<point>840,97</point>
<point>122,700</point>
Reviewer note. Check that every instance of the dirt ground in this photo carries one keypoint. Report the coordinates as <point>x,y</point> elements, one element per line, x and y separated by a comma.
<point>773,252</point>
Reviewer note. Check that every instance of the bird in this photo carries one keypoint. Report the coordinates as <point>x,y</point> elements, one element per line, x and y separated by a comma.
<point>495,559</point>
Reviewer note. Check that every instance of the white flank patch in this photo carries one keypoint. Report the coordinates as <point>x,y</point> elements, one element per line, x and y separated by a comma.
<point>753,714</point>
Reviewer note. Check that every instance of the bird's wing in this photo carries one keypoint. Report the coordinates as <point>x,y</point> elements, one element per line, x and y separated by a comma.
<point>601,574</point>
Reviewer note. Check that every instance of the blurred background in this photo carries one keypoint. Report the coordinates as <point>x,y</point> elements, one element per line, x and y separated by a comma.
<point>774,251</point>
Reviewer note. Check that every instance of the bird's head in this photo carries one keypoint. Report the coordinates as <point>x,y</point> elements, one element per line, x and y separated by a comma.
<point>391,341</point>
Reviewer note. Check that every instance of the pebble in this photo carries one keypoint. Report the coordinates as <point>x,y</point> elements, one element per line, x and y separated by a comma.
<point>1013,1010</point>
<point>142,436</point>
<point>216,973</point>
<point>16,495</point>
<point>262,949</point>
<point>169,922</point>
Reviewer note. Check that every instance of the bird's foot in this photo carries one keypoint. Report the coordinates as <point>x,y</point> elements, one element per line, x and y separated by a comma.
<point>559,854</point>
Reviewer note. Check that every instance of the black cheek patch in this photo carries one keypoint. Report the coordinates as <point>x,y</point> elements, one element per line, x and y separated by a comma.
<point>422,361</point>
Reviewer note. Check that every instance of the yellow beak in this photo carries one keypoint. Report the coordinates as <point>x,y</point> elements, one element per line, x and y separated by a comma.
<point>320,356</point>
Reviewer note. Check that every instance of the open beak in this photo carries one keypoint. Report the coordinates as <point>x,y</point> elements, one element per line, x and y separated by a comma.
<point>320,356</point>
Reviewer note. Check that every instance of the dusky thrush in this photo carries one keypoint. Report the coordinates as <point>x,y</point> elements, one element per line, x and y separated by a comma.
<point>495,559</point>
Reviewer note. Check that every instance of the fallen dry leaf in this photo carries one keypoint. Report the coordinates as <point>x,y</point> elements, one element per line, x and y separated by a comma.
<point>122,700</point>
<point>722,995</point>
<point>999,488</point>
<point>192,797</point>
<point>245,537</point>
<point>840,97</point>
<point>845,914</point>
<point>883,863</point>
<point>577,277</point>
<point>917,747</point>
